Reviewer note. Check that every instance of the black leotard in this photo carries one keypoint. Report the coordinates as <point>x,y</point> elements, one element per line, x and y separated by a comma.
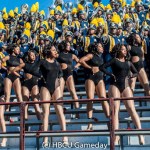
<point>96,61</point>
<point>13,61</point>
<point>51,73</point>
<point>33,69</point>
<point>121,71</point>
<point>137,51</point>
<point>1,85</point>
<point>67,59</point>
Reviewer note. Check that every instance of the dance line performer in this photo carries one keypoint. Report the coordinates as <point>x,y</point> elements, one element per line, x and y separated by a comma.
<point>2,109</point>
<point>30,81</point>
<point>137,58</point>
<point>12,80</point>
<point>50,88</point>
<point>119,87</point>
<point>94,79</point>
<point>66,61</point>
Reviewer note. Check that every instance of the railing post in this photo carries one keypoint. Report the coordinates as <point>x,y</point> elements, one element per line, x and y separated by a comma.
<point>22,126</point>
<point>37,141</point>
<point>112,131</point>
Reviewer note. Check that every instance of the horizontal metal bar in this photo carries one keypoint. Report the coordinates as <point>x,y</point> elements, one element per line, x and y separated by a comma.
<point>132,132</point>
<point>77,133</point>
<point>10,135</point>
<point>144,98</point>
<point>73,111</point>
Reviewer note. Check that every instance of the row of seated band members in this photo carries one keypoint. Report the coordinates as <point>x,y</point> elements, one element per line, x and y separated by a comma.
<point>49,75</point>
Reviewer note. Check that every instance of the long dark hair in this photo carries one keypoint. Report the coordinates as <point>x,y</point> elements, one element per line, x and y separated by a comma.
<point>116,51</point>
<point>93,48</point>
<point>10,48</point>
<point>62,46</point>
<point>47,50</point>
<point>131,40</point>
<point>27,58</point>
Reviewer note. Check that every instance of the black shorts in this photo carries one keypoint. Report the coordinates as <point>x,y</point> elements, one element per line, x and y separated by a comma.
<point>30,83</point>
<point>1,86</point>
<point>96,77</point>
<point>66,73</point>
<point>12,77</point>
<point>138,65</point>
<point>51,86</point>
<point>121,84</point>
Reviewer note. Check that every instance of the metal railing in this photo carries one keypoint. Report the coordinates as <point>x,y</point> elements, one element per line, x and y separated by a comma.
<point>112,132</point>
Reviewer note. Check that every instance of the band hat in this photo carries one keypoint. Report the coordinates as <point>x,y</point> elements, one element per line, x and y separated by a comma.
<point>68,33</point>
<point>2,31</point>
<point>113,26</point>
<point>50,35</point>
<point>42,35</point>
<point>26,34</point>
<point>109,12</point>
<point>139,3</point>
<point>80,9</point>
<point>92,27</point>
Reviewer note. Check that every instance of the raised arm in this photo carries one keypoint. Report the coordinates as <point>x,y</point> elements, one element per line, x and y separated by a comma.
<point>74,57</point>
<point>18,68</point>
<point>83,61</point>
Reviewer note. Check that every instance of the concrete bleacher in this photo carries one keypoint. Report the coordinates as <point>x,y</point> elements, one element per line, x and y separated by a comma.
<point>100,124</point>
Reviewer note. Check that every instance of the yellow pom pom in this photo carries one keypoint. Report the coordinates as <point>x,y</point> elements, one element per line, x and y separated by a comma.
<point>132,4</point>
<point>65,22</point>
<point>28,26</point>
<point>96,5</point>
<point>46,23</point>
<point>137,0</point>
<point>42,33</point>
<point>33,8</point>
<point>42,12</point>
<point>52,12</point>
<point>113,19</point>
<point>144,23</point>
<point>126,16</point>
<point>108,7</point>
<point>120,1</point>
<point>51,33</point>
<point>5,16</point>
<point>16,10</point>
<point>101,21</point>
<point>102,6</point>
<point>114,13</point>
<point>59,8</point>
<point>94,21</point>
<point>124,4</point>
<point>80,7</point>
<point>74,11</point>
<point>2,25</point>
<point>11,13</point>
<point>37,6</point>
<point>116,19</point>
<point>4,10</point>
<point>27,32</point>
<point>148,16</point>
<point>19,15</point>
